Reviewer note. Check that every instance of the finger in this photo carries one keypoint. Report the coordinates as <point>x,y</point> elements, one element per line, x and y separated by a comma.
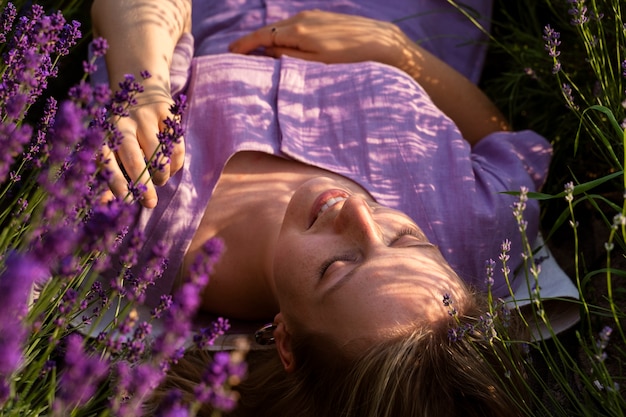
<point>106,196</point>
<point>279,34</point>
<point>148,127</point>
<point>118,183</point>
<point>277,52</point>
<point>178,157</point>
<point>253,40</point>
<point>116,180</point>
<point>132,159</point>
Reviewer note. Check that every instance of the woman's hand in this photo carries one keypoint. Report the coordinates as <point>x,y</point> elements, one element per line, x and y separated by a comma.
<point>327,37</point>
<point>142,36</point>
<point>139,142</point>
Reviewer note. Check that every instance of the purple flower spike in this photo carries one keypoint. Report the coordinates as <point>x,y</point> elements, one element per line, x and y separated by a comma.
<point>67,130</point>
<point>569,97</point>
<point>80,377</point>
<point>207,336</point>
<point>99,47</point>
<point>171,406</point>
<point>224,369</point>
<point>578,12</point>
<point>21,272</point>
<point>551,37</point>
<point>12,140</point>
<point>6,21</point>
<point>489,266</point>
<point>134,383</point>
<point>171,135</point>
<point>211,252</point>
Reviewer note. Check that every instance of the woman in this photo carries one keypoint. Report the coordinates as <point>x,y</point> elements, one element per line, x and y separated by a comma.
<point>350,196</point>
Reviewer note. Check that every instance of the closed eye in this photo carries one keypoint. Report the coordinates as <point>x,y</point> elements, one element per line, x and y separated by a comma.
<point>330,263</point>
<point>414,240</point>
<point>407,231</point>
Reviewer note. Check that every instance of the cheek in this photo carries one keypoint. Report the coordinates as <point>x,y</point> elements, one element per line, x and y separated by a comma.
<point>292,266</point>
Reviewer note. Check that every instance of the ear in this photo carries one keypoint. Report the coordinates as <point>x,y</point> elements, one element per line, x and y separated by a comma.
<point>283,343</point>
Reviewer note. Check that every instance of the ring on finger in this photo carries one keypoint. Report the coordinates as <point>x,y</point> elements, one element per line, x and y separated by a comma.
<point>273,33</point>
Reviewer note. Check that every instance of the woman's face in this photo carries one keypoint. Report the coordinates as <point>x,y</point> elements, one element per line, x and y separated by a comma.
<point>352,269</point>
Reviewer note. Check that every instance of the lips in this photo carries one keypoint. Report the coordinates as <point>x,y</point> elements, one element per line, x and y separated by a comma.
<point>325,201</point>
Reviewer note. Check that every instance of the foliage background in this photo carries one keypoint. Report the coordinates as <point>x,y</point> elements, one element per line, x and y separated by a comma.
<point>519,78</point>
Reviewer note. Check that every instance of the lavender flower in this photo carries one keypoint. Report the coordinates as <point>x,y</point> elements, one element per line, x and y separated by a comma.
<point>132,386</point>
<point>89,67</point>
<point>206,336</point>
<point>36,43</point>
<point>68,37</point>
<point>224,369</point>
<point>81,375</point>
<point>448,302</point>
<point>211,252</point>
<point>519,207</point>
<point>20,274</point>
<point>531,73</point>
<point>489,266</point>
<point>569,192</point>
<point>486,326</point>
<point>68,128</point>
<point>569,98</point>
<point>578,11</point>
<point>457,333</point>
<point>552,42</point>
<point>185,303</point>
<point>171,406</point>
<point>602,343</point>
<point>6,21</point>
<point>137,190</point>
<point>68,301</point>
<point>165,303</point>
<point>125,96</point>
<point>504,256</point>
<point>37,152</point>
<point>131,252</point>
<point>99,47</point>
<point>619,220</point>
<point>171,135</point>
<point>504,312</point>
<point>105,222</point>
<point>12,140</point>
<point>151,271</point>
<point>135,349</point>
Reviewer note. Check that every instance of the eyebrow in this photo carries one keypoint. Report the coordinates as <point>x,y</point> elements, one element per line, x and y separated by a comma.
<point>346,278</point>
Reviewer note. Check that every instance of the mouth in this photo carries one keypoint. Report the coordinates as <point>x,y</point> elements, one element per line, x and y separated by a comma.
<point>325,201</point>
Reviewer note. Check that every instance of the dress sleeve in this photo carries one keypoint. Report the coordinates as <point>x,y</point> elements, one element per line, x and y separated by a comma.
<point>521,154</point>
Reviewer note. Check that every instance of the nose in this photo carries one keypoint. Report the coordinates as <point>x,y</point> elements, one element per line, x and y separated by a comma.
<point>355,219</point>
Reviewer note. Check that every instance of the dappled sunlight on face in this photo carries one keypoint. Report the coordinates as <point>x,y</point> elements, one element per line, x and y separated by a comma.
<point>375,299</point>
<point>386,295</point>
<point>356,269</point>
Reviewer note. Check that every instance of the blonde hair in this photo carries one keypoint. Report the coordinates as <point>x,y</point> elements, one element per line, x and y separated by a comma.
<point>422,372</point>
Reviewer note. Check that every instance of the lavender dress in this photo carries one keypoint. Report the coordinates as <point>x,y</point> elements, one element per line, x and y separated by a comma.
<point>367,121</point>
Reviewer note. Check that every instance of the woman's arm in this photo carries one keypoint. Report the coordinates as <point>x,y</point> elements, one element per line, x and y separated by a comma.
<point>142,35</point>
<point>334,38</point>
